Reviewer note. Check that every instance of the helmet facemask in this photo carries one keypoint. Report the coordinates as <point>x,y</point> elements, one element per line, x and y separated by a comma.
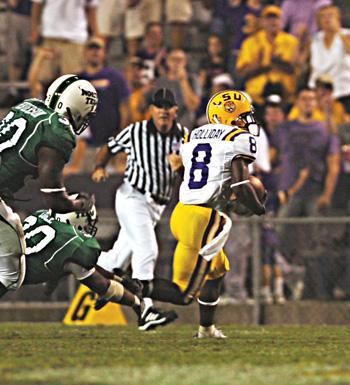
<point>85,222</point>
<point>247,121</point>
<point>79,124</point>
<point>90,226</point>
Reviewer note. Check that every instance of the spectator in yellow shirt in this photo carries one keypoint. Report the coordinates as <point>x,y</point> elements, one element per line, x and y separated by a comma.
<point>140,84</point>
<point>267,59</point>
<point>326,104</point>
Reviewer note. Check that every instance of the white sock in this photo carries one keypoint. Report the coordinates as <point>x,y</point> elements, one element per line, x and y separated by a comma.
<point>206,329</point>
<point>279,286</point>
<point>137,301</point>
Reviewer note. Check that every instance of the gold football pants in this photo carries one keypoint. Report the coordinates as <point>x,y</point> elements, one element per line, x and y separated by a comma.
<point>201,233</point>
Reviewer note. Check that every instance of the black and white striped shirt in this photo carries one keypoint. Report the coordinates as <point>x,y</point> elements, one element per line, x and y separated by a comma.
<point>148,169</point>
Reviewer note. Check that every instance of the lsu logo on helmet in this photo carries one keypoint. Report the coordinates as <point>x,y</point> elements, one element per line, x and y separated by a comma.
<point>232,108</point>
<point>229,107</point>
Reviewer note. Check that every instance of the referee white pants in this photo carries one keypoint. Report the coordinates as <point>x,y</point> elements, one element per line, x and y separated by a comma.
<point>138,215</point>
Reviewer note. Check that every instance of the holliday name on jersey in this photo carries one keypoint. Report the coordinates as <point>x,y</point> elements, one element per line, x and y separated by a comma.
<point>213,133</point>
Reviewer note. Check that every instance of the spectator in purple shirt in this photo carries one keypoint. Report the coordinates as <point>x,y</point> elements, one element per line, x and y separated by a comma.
<point>113,110</point>
<point>214,63</point>
<point>299,16</point>
<point>272,276</point>
<point>230,20</point>
<point>183,83</point>
<point>234,20</point>
<point>153,51</point>
<point>309,159</point>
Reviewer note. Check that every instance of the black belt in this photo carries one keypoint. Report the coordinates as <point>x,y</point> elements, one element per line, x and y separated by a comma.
<point>160,201</point>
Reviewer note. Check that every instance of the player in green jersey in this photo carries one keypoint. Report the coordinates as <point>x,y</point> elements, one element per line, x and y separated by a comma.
<point>36,140</point>
<point>62,244</point>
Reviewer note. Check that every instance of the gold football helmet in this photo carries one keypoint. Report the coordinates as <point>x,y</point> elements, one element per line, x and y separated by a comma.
<point>232,108</point>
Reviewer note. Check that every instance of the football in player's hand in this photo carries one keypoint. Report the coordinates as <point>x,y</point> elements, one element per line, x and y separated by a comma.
<point>239,208</point>
<point>259,188</point>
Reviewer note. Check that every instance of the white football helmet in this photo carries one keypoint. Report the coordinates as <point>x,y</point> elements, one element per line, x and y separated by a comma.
<point>81,221</point>
<point>74,98</point>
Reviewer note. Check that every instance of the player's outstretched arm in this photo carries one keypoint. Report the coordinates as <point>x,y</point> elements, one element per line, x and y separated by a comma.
<point>245,192</point>
<point>50,168</point>
<point>102,158</point>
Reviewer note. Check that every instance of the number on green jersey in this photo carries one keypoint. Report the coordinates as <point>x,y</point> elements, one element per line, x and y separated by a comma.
<point>11,130</point>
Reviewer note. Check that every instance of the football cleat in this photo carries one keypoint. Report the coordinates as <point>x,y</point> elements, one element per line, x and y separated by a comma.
<point>209,332</point>
<point>152,317</point>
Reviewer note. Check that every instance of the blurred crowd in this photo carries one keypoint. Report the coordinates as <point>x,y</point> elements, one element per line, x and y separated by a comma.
<point>291,56</point>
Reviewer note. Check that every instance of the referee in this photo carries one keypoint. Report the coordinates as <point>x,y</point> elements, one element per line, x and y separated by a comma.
<point>152,148</point>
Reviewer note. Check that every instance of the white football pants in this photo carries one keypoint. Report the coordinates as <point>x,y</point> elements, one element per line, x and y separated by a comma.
<point>138,215</point>
<point>12,248</point>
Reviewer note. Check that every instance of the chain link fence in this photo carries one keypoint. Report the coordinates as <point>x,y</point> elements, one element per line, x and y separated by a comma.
<point>309,266</point>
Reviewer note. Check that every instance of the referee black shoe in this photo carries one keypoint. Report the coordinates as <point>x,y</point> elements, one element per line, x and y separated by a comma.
<point>152,317</point>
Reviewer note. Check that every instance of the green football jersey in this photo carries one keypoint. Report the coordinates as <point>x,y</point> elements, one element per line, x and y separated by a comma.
<point>25,128</point>
<point>51,243</point>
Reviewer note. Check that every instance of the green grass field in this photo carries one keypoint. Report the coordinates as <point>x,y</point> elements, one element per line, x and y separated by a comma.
<point>53,354</point>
